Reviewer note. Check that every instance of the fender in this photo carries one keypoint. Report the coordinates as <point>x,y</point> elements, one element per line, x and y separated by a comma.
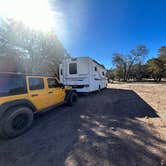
<point>68,93</point>
<point>4,107</point>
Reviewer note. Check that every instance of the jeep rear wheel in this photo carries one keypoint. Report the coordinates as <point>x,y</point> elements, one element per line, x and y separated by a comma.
<point>16,121</point>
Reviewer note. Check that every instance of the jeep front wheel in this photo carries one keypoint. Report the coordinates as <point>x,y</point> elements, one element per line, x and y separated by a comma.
<point>72,99</point>
<point>16,121</point>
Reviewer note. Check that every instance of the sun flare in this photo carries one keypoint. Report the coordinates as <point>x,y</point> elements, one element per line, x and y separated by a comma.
<point>34,13</point>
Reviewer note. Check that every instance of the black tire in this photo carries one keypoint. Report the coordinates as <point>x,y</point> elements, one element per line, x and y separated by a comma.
<point>99,90</point>
<point>16,121</point>
<point>72,99</point>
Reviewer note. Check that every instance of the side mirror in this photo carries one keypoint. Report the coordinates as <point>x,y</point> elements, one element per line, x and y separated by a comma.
<point>61,86</point>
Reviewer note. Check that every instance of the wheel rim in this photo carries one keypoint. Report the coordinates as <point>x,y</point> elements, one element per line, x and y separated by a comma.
<point>20,122</point>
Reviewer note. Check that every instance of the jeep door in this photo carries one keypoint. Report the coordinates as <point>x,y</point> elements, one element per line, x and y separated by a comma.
<point>37,92</point>
<point>56,93</point>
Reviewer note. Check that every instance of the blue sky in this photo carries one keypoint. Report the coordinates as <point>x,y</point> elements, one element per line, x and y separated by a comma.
<point>98,28</point>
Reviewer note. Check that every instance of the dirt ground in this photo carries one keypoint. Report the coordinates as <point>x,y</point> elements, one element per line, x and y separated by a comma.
<point>124,125</point>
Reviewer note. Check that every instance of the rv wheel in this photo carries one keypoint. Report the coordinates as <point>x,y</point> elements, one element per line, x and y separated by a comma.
<point>99,88</point>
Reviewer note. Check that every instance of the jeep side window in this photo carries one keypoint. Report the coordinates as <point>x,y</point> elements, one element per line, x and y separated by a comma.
<point>52,83</point>
<point>12,86</point>
<point>36,83</point>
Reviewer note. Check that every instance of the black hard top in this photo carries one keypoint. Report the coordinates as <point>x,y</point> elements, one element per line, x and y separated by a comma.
<point>23,74</point>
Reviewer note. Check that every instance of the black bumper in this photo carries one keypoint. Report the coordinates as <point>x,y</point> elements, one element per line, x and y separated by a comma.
<point>79,86</point>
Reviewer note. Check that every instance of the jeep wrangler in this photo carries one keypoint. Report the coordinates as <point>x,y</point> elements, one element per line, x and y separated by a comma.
<point>21,96</point>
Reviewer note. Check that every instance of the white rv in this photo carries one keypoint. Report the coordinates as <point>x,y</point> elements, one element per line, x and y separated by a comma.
<point>83,74</point>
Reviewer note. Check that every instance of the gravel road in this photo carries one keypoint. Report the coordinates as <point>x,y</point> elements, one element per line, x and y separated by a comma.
<point>109,128</point>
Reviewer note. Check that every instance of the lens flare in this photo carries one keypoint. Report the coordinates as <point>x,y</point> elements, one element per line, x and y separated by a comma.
<point>34,13</point>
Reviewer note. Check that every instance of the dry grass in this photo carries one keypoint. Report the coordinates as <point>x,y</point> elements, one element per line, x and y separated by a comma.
<point>155,96</point>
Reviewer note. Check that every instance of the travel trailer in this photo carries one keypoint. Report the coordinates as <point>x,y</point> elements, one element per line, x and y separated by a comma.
<point>83,74</point>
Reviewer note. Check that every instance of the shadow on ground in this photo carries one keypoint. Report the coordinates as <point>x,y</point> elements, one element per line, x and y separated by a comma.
<point>101,129</point>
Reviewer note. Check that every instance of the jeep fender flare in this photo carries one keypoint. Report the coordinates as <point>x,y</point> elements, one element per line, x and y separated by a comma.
<point>6,106</point>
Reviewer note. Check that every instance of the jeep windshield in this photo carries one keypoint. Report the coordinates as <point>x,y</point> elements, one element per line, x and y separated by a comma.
<point>12,85</point>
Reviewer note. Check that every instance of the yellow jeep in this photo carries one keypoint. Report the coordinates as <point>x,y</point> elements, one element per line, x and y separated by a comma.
<point>23,95</point>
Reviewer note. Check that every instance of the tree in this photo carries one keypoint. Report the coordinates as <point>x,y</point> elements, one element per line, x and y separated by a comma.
<point>139,72</point>
<point>110,74</point>
<point>121,66</point>
<point>124,64</point>
<point>155,68</point>
<point>11,62</point>
<point>135,56</point>
<point>39,52</point>
<point>162,58</point>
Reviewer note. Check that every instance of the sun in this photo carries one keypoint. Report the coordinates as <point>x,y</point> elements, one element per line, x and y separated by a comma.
<point>34,13</point>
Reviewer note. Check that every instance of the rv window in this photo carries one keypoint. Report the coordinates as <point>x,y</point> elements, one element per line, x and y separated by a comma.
<point>95,68</point>
<point>73,68</point>
<point>103,73</point>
